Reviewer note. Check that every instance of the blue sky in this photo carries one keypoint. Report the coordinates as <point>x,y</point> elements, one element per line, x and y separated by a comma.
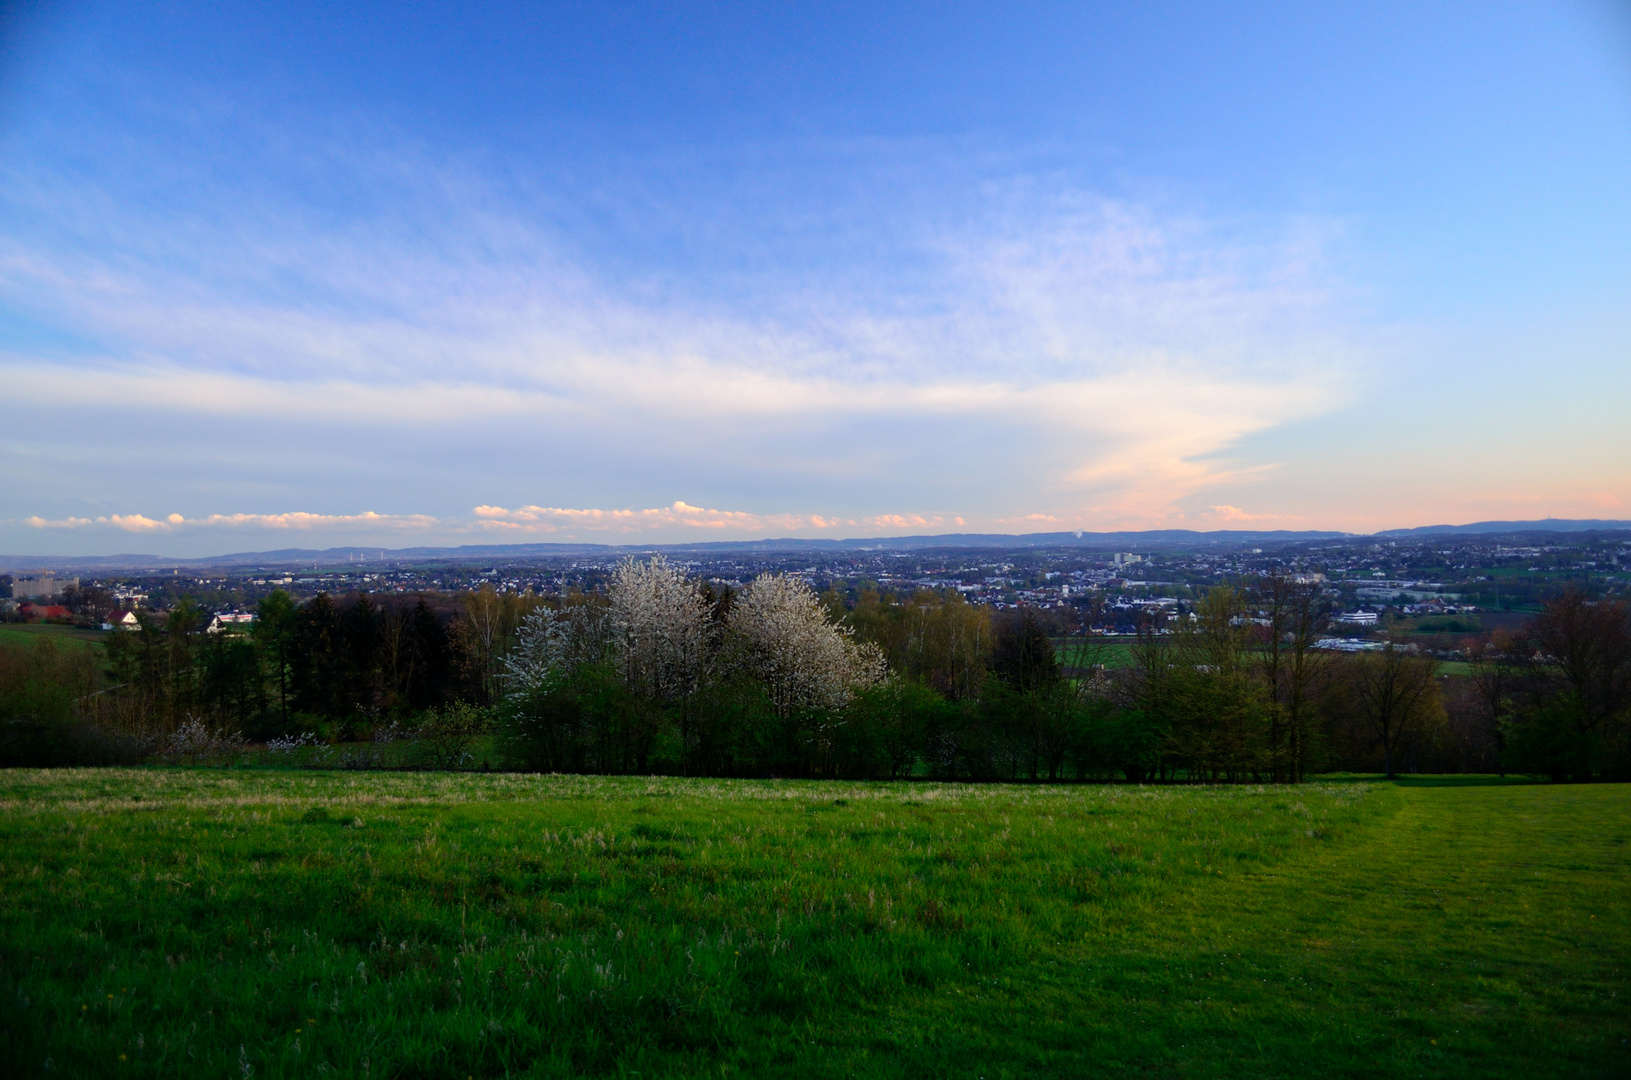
<point>301,275</point>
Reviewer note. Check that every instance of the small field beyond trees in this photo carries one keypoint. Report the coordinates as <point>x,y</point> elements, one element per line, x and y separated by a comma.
<point>203,922</point>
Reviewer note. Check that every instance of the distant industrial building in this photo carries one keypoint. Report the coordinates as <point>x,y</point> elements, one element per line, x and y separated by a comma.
<point>1336,644</point>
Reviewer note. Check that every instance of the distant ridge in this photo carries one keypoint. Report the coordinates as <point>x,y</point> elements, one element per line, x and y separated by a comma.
<point>1546,525</point>
<point>340,557</point>
<point>331,558</point>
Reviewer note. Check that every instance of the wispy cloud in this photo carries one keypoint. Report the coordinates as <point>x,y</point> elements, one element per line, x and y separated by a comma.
<point>140,523</point>
<point>1104,356</point>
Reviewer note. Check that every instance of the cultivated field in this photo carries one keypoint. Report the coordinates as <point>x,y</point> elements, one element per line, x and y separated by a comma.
<point>236,923</point>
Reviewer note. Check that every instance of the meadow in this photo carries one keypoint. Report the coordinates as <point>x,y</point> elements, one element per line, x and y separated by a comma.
<point>213,922</point>
<point>33,633</point>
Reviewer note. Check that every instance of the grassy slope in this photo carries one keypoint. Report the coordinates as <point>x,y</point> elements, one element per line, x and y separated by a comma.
<point>481,926</point>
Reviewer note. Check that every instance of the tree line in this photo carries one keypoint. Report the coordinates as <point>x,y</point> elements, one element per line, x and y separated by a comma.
<point>664,673</point>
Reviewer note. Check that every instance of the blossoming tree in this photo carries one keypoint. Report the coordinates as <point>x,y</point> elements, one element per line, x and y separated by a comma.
<point>785,638</point>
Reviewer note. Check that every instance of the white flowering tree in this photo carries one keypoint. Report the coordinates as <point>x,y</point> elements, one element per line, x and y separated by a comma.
<point>659,624</point>
<point>553,642</point>
<point>805,661</point>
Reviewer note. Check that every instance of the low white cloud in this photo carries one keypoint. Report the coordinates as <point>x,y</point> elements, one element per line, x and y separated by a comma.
<point>520,521</point>
<point>62,523</point>
<point>681,516</point>
<point>1235,515</point>
<point>552,519</point>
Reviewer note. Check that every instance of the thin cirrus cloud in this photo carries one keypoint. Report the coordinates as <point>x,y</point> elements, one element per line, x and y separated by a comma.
<point>1109,355</point>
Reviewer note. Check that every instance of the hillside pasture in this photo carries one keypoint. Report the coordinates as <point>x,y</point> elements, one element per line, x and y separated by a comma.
<point>171,922</point>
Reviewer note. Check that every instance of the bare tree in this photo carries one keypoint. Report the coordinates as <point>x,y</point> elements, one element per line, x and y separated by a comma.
<point>1292,667</point>
<point>1398,692</point>
<point>484,618</point>
<point>936,638</point>
<point>1496,666</point>
<point>1588,644</point>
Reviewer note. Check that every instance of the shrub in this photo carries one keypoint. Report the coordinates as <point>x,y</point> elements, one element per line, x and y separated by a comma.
<point>194,743</point>
<point>445,736</point>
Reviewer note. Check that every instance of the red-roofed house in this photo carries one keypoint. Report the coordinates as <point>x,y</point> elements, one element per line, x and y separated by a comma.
<point>121,620</point>
<point>31,612</point>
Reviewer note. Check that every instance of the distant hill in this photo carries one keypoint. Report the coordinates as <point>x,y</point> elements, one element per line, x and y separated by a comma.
<point>1150,538</point>
<point>1147,540</point>
<point>294,558</point>
<point>1485,528</point>
<point>288,558</point>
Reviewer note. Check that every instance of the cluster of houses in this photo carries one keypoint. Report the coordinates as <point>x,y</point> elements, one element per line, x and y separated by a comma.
<point>126,620</point>
<point>1438,607</point>
<point>28,611</point>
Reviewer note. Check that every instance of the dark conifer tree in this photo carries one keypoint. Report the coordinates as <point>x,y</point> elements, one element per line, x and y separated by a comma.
<point>316,658</point>
<point>430,666</point>
<point>1024,655</point>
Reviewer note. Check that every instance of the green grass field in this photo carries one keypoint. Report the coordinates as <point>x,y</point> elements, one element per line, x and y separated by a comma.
<point>1111,652</point>
<point>28,633</point>
<point>1118,653</point>
<point>269,924</point>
